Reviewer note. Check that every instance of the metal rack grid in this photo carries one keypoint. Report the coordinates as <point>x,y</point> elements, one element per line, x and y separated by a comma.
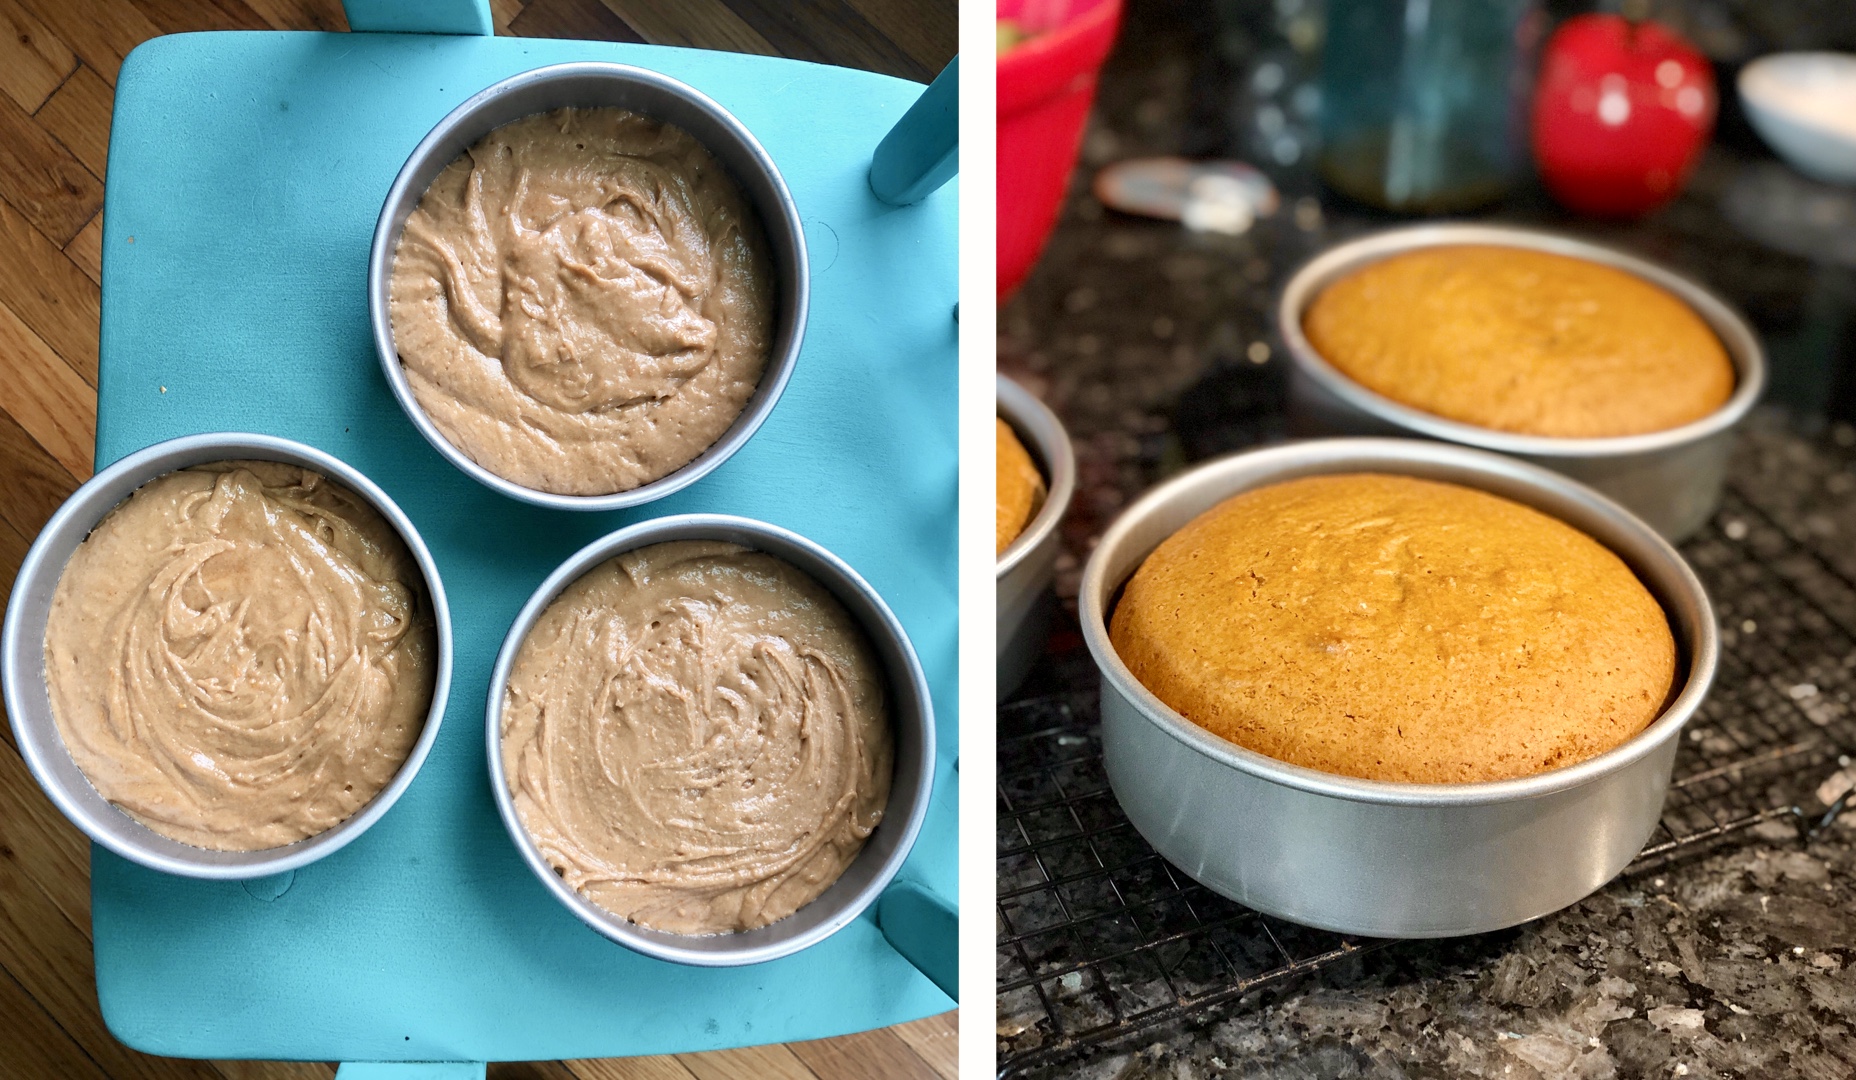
<point>1099,937</point>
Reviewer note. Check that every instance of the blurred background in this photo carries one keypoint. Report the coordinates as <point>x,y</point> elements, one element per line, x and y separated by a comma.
<point>1155,339</point>
<point>1218,145</point>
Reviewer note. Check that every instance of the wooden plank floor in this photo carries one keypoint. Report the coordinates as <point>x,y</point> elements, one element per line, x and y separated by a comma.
<point>58,63</point>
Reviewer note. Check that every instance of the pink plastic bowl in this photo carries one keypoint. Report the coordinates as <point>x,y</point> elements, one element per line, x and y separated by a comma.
<point>1045,88</point>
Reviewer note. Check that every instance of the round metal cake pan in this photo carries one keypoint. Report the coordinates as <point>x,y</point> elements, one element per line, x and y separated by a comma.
<point>587,85</point>
<point>1672,479</point>
<point>1027,566</point>
<point>22,659</point>
<point>911,713</point>
<point>1378,858</point>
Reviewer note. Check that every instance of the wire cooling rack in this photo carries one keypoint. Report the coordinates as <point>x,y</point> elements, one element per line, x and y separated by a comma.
<point>1099,937</point>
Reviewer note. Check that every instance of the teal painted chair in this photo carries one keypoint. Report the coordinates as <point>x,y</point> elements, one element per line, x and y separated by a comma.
<point>246,171</point>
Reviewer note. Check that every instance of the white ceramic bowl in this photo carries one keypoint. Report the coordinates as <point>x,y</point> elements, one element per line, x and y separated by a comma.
<point>1804,105</point>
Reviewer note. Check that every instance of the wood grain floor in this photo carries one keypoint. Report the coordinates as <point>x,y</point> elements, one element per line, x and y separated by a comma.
<point>58,63</point>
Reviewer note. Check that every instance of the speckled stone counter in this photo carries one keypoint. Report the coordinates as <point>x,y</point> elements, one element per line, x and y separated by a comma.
<point>1734,965</point>
<point>1731,960</point>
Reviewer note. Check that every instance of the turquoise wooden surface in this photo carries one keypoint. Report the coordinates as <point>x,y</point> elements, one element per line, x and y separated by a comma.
<point>410,1070</point>
<point>922,151</point>
<point>420,16</point>
<point>246,172</point>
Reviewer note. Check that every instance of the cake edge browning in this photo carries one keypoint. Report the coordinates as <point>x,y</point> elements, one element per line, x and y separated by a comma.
<point>1019,487</point>
<point>1411,328</point>
<point>1374,658</point>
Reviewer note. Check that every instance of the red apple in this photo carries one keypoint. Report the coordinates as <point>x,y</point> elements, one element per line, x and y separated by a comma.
<point>1621,113</point>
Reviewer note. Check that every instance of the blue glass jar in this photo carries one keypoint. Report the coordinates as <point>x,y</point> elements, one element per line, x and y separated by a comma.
<point>1423,102</point>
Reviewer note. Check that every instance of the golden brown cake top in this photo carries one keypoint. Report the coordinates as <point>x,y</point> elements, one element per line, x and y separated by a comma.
<point>1522,341</point>
<point>1020,487</point>
<point>1397,629</point>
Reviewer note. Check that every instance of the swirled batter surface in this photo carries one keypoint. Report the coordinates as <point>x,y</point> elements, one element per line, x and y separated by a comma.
<point>583,301</point>
<point>695,737</point>
<point>241,655</point>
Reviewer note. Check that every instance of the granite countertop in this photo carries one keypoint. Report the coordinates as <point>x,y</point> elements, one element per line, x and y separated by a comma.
<point>1155,347</point>
<point>1733,965</point>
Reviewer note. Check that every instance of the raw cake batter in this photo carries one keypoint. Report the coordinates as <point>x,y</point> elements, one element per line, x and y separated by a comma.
<point>240,655</point>
<point>583,301</point>
<point>695,737</point>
